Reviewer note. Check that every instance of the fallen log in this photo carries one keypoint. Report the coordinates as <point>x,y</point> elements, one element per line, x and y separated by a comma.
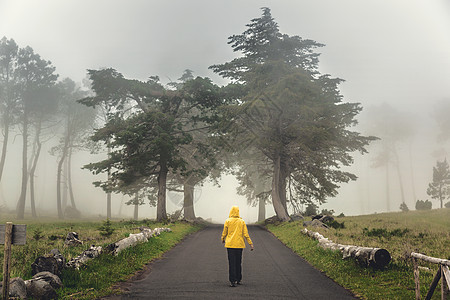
<point>365,256</point>
<point>84,257</point>
<point>430,259</point>
<point>134,239</point>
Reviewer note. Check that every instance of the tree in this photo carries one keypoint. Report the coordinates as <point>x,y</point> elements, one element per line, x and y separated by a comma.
<point>148,128</point>
<point>42,112</point>
<point>253,172</point>
<point>291,113</point>
<point>8,92</point>
<point>392,127</point>
<point>77,121</point>
<point>439,188</point>
<point>34,74</point>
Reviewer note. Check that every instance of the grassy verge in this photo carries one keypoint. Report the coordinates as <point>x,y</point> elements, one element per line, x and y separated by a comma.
<point>96,278</point>
<point>427,232</point>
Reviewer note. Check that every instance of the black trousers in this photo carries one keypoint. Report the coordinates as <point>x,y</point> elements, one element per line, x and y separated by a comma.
<point>235,264</point>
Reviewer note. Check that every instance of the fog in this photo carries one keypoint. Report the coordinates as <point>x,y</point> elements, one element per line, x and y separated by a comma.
<point>393,54</point>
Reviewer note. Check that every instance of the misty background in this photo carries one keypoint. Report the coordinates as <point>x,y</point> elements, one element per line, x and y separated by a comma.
<point>393,55</point>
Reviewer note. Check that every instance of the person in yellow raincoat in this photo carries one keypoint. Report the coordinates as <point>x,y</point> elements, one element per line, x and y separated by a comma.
<point>234,232</point>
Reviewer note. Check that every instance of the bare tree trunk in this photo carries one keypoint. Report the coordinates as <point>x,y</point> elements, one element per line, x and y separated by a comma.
<point>399,174</point>
<point>413,184</point>
<point>4,146</point>
<point>161,213</point>
<point>38,147</point>
<point>261,209</point>
<point>64,183</point>
<point>388,198</point>
<point>69,180</point>
<point>23,191</point>
<point>59,178</point>
<point>280,210</point>
<point>108,194</point>
<point>282,184</point>
<point>136,207</point>
<point>188,204</point>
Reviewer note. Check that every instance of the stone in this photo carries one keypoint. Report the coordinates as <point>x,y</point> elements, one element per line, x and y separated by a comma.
<point>296,217</point>
<point>52,262</point>
<point>315,223</point>
<point>326,219</point>
<point>72,240</point>
<point>43,285</point>
<point>17,288</point>
<point>317,217</point>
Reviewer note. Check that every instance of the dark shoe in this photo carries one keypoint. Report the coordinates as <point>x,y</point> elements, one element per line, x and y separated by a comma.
<point>238,283</point>
<point>232,284</point>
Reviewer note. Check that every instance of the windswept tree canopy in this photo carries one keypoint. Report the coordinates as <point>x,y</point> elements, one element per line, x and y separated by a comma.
<point>149,126</point>
<point>290,112</point>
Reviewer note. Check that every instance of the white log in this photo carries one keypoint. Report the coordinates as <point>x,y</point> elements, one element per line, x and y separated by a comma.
<point>430,259</point>
<point>366,256</point>
<point>84,257</point>
<point>135,238</point>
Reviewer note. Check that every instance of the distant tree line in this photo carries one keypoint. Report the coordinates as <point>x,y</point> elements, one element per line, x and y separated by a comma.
<point>40,108</point>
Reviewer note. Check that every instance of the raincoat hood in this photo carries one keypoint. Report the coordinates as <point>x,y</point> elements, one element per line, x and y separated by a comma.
<point>234,212</point>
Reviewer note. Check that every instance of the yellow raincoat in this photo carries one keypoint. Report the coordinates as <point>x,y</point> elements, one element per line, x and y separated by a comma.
<point>235,230</point>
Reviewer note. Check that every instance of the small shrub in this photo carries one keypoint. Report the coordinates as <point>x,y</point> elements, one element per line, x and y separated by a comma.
<point>404,207</point>
<point>311,210</point>
<point>37,234</point>
<point>106,229</point>
<point>55,237</point>
<point>382,232</point>
<point>447,204</point>
<point>336,225</point>
<point>423,205</point>
<point>341,215</point>
<point>327,212</point>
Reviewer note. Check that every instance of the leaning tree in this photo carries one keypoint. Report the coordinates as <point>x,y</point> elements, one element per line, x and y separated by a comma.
<point>148,127</point>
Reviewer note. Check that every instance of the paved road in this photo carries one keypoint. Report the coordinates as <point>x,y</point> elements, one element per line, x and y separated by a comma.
<point>198,269</point>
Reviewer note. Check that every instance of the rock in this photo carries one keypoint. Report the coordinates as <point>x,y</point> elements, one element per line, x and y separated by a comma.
<point>296,217</point>
<point>327,219</point>
<point>315,223</point>
<point>317,217</point>
<point>17,288</point>
<point>43,285</point>
<point>272,220</point>
<point>72,240</point>
<point>52,262</point>
<point>85,256</point>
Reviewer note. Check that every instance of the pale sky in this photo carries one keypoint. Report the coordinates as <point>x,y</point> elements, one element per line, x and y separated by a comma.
<point>394,51</point>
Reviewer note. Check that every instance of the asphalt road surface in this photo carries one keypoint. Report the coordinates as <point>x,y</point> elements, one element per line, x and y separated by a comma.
<point>197,268</point>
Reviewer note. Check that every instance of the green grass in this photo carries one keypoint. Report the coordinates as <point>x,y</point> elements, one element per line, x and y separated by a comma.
<point>97,278</point>
<point>426,232</point>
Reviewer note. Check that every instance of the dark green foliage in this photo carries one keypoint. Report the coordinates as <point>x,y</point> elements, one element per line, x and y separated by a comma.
<point>382,232</point>
<point>155,130</point>
<point>439,188</point>
<point>311,210</point>
<point>289,113</point>
<point>37,234</point>
<point>106,229</point>
<point>327,212</point>
<point>423,205</point>
<point>336,225</point>
<point>404,207</point>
